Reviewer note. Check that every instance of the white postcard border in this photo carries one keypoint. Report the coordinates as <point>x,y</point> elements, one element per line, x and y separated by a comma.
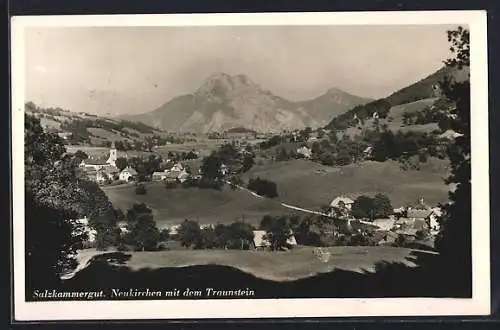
<point>259,308</point>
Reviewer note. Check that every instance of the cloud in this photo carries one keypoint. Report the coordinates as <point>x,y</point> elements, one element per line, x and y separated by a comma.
<point>40,69</point>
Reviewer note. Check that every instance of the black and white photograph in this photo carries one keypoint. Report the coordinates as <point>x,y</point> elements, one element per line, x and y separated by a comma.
<point>250,165</point>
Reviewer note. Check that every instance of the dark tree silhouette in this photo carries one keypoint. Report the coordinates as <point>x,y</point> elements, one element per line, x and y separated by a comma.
<point>121,163</point>
<point>454,239</point>
<point>57,194</point>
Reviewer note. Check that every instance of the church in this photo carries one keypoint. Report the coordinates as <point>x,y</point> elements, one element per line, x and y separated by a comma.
<point>101,169</point>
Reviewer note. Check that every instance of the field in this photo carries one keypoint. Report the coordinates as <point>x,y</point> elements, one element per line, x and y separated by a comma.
<point>396,124</point>
<point>172,206</point>
<point>311,185</point>
<point>300,183</point>
<point>277,266</point>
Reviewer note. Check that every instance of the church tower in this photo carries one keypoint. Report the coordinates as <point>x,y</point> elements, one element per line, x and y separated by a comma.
<point>112,155</point>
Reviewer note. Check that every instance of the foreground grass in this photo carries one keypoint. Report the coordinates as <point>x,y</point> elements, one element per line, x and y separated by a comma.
<point>295,264</point>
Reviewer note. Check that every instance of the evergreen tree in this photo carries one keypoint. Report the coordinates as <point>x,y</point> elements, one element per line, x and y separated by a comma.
<point>454,239</point>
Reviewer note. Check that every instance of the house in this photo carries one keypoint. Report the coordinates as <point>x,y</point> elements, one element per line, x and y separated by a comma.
<point>171,176</point>
<point>93,164</point>
<point>127,174</point>
<point>224,169</point>
<point>260,242</point>
<point>305,152</point>
<point>177,167</point>
<point>85,228</point>
<point>183,176</point>
<point>384,224</point>
<point>159,176</point>
<point>65,135</point>
<point>174,230</point>
<point>433,221</point>
<point>342,202</point>
<point>367,153</point>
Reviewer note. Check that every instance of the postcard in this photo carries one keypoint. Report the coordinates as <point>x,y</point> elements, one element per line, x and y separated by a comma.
<point>250,165</point>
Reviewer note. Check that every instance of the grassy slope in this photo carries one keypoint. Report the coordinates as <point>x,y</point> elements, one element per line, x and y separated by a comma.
<point>311,185</point>
<point>279,266</point>
<point>396,112</point>
<point>172,206</point>
<point>300,183</point>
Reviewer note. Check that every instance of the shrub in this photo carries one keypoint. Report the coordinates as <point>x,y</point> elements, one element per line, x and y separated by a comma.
<point>263,187</point>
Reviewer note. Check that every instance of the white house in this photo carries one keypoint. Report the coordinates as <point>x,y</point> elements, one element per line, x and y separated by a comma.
<point>304,151</point>
<point>342,202</point>
<point>223,169</point>
<point>178,167</point>
<point>434,219</point>
<point>85,228</point>
<point>259,240</point>
<point>159,176</point>
<point>127,174</point>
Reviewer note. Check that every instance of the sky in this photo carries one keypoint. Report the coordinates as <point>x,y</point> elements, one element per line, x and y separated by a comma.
<point>127,70</point>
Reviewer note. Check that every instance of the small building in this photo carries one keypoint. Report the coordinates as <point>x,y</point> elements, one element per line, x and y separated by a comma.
<point>171,176</point>
<point>342,202</point>
<point>65,135</point>
<point>384,224</point>
<point>305,152</point>
<point>85,228</point>
<point>159,176</point>
<point>128,174</point>
<point>224,169</point>
<point>260,242</point>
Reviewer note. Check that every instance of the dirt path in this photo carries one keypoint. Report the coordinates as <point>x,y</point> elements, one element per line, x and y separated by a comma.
<point>293,207</point>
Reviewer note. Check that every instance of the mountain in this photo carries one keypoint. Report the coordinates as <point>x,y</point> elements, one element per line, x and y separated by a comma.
<point>411,99</point>
<point>223,102</point>
<point>334,102</point>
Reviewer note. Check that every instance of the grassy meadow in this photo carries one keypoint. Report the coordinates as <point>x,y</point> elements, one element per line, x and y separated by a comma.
<point>297,263</point>
<point>311,185</point>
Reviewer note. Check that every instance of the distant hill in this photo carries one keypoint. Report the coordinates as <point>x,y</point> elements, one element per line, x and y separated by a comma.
<point>414,98</point>
<point>223,102</point>
<point>333,103</point>
<point>88,128</point>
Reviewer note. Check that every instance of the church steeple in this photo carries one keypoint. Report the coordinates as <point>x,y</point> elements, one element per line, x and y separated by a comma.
<point>112,154</point>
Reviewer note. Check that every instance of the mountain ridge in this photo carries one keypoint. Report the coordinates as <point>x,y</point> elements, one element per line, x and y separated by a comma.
<point>225,101</point>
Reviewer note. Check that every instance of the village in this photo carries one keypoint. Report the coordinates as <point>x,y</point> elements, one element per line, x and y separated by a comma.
<point>414,222</point>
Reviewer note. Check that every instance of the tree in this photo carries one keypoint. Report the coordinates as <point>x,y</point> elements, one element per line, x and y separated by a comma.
<point>240,235</point>
<point>56,193</point>
<point>190,234</point>
<point>263,187</point>
<point>143,233</point>
<point>248,162</point>
<point>363,208</point>
<point>81,155</point>
<point>454,239</point>
<point>278,231</point>
<point>382,206</point>
<point>121,163</point>
<point>211,168</point>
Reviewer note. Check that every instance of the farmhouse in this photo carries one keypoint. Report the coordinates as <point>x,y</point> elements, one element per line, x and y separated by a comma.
<point>305,152</point>
<point>159,176</point>
<point>85,228</point>
<point>384,224</point>
<point>342,202</point>
<point>127,174</point>
<point>260,242</point>
<point>240,133</point>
